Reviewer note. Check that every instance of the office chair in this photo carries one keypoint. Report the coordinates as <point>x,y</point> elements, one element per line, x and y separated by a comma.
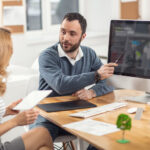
<point>67,142</point>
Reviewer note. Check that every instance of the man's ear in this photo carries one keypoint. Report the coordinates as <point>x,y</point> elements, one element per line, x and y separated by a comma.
<point>83,36</point>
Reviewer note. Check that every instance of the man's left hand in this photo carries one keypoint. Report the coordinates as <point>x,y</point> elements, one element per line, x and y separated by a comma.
<point>85,94</point>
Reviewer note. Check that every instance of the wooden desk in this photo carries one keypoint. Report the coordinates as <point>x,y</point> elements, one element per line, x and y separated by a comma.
<point>139,135</point>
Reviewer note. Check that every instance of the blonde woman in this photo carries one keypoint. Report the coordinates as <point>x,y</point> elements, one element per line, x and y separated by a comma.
<point>36,139</point>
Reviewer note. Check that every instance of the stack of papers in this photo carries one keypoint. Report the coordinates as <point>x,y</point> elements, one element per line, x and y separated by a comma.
<point>32,99</point>
<point>94,127</point>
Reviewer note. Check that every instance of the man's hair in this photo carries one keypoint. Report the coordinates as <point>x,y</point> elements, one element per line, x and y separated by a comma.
<point>79,17</point>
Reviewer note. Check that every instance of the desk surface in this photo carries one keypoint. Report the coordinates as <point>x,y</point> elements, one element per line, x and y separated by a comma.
<point>139,135</point>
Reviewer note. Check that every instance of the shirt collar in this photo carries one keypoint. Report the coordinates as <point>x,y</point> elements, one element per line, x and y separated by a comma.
<point>72,61</point>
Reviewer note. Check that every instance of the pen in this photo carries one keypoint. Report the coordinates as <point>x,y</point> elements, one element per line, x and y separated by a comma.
<point>119,58</point>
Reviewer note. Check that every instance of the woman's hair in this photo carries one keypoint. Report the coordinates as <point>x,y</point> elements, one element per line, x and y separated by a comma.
<point>5,54</point>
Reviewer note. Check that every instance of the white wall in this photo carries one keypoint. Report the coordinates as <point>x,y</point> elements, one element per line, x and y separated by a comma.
<point>27,49</point>
<point>0,12</point>
<point>99,13</point>
<point>144,9</point>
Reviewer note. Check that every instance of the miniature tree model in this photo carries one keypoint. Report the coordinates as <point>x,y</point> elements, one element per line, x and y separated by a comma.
<point>124,123</point>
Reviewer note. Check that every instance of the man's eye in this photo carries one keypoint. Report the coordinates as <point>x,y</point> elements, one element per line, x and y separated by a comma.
<point>63,32</point>
<point>72,34</point>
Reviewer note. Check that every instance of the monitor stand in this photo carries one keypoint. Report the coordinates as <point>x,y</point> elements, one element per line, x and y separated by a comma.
<point>140,99</point>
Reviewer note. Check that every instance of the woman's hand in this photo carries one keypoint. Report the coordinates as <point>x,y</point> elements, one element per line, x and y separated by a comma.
<point>9,109</point>
<point>26,117</point>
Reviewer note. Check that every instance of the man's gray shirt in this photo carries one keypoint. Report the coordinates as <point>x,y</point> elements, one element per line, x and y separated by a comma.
<point>59,75</point>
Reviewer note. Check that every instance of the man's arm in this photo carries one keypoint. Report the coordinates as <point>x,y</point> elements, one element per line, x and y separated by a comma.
<point>85,94</point>
<point>57,80</point>
<point>101,88</point>
<point>104,72</point>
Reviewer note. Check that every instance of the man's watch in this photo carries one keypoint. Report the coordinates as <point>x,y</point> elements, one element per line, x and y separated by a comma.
<point>97,77</point>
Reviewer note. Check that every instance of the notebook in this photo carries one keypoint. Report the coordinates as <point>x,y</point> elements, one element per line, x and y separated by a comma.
<point>64,106</point>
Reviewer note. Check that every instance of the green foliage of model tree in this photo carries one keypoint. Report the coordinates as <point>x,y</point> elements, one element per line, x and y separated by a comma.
<point>123,123</point>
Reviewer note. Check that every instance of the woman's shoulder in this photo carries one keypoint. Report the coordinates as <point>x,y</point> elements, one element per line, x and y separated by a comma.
<point>1,100</point>
<point>2,108</point>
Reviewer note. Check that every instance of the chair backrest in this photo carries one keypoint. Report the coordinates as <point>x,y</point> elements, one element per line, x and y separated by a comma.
<point>65,138</point>
<point>35,65</point>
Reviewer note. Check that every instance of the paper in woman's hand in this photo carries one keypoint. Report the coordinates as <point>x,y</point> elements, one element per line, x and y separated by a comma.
<point>32,99</point>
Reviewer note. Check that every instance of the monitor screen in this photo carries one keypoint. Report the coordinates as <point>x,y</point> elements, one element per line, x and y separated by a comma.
<point>129,46</point>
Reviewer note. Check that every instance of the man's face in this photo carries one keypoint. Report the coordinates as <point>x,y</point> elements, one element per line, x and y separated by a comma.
<point>70,35</point>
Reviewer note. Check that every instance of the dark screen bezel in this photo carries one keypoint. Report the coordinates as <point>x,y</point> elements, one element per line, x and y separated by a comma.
<point>110,40</point>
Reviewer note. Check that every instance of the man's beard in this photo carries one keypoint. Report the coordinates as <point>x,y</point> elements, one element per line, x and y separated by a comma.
<point>73,48</point>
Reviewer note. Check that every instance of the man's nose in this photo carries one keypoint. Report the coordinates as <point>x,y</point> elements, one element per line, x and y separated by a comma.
<point>66,37</point>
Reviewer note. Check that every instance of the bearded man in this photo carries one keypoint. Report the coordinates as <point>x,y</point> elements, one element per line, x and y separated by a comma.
<point>67,68</point>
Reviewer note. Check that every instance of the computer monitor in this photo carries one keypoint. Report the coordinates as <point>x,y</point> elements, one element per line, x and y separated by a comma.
<point>129,46</point>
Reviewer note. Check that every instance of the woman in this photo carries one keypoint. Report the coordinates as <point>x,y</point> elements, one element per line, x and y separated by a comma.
<point>36,139</point>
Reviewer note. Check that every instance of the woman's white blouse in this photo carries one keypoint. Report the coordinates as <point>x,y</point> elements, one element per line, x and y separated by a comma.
<point>2,109</point>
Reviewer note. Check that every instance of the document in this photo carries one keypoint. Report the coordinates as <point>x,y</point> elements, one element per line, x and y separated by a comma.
<point>32,99</point>
<point>13,15</point>
<point>94,127</point>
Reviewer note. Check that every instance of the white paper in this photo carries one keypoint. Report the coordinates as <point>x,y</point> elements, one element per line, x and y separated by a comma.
<point>94,127</point>
<point>32,99</point>
<point>13,15</point>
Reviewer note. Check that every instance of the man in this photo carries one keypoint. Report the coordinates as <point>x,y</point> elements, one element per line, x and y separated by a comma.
<point>67,68</point>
